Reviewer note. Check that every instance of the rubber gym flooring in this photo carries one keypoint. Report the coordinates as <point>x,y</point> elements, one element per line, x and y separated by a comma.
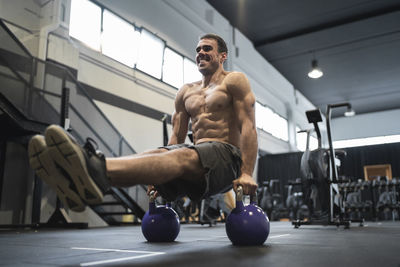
<point>375,244</point>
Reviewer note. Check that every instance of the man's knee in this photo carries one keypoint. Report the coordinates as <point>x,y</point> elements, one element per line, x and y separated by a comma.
<point>188,161</point>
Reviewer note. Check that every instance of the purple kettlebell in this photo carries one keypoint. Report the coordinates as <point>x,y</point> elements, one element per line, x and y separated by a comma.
<point>247,225</point>
<point>160,223</point>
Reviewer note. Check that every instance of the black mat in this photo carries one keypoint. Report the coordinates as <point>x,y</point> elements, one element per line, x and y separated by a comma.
<point>375,244</point>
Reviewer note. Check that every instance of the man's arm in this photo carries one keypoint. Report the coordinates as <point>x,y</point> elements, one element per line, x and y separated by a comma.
<point>180,119</point>
<point>244,108</point>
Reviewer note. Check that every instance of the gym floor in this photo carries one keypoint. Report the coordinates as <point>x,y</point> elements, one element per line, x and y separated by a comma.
<point>375,244</point>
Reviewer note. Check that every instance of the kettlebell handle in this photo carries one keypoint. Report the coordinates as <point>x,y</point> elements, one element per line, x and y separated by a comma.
<point>152,195</point>
<point>239,195</point>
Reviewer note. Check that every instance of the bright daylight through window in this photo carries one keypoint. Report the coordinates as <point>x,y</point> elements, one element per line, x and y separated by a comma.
<point>85,23</point>
<point>271,122</point>
<point>173,68</point>
<point>120,40</point>
<point>151,54</point>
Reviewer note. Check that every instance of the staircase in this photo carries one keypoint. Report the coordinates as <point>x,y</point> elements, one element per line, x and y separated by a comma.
<point>124,205</point>
<point>35,94</point>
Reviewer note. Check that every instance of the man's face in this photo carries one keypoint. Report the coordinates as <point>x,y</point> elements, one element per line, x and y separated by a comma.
<point>207,56</point>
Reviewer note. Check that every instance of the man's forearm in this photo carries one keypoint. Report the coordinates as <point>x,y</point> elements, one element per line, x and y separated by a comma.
<point>249,149</point>
<point>173,140</point>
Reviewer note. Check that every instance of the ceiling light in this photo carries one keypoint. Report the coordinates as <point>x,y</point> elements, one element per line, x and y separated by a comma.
<point>315,72</point>
<point>349,112</point>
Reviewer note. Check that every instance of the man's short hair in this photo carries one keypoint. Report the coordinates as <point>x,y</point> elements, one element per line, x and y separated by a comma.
<point>221,43</point>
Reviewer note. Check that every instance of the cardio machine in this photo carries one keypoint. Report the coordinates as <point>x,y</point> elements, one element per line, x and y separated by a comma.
<point>320,177</point>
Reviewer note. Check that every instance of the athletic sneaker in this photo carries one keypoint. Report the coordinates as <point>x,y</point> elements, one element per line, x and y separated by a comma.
<point>44,166</point>
<point>85,165</point>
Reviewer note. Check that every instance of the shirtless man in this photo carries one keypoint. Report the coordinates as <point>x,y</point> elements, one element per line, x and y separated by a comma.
<point>221,109</point>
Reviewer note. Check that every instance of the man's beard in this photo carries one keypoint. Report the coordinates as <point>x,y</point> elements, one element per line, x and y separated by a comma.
<point>210,70</point>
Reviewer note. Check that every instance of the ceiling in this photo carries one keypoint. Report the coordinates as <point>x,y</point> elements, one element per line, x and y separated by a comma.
<point>356,43</point>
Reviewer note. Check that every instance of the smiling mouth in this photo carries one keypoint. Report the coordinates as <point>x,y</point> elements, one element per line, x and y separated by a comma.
<point>203,59</point>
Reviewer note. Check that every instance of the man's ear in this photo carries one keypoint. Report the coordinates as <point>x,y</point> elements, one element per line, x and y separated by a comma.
<point>223,57</point>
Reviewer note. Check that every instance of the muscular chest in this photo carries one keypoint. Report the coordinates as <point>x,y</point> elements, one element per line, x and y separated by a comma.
<point>207,100</point>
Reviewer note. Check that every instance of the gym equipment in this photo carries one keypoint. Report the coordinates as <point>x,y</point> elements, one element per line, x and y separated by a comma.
<point>160,223</point>
<point>212,210</point>
<point>351,192</point>
<point>297,209</point>
<point>247,225</point>
<point>271,201</point>
<point>319,169</point>
<point>314,172</point>
<point>265,198</point>
<point>387,204</point>
<point>278,206</point>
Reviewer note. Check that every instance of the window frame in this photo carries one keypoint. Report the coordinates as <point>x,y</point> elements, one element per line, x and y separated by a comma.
<point>138,29</point>
<point>277,114</point>
<point>183,67</point>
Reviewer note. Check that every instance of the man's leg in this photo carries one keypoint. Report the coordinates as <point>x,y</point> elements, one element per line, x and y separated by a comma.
<point>44,166</point>
<point>84,166</point>
<point>92,174</point>
<point>157,167</point>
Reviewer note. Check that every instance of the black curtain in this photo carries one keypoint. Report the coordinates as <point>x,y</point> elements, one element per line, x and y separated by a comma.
<point>286,166</point>
<point>283,167</point>
<point>357,157</point>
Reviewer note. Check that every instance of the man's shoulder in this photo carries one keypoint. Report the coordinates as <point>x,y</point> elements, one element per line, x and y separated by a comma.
<point>235,76</point>
<point>187,87</point>
<point>236,80</point>
<point>235,73</point>
<point>194,84</point>
<point>191,85</point>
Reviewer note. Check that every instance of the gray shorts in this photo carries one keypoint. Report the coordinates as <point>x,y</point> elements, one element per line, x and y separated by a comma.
<point>222,163</point>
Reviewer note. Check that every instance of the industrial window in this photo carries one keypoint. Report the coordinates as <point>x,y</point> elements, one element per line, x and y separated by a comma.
<point>368,141</point>
<point>85,23</point>
<point>190,71</point>
<point>151,54</point>
<point>120,40</point>
<point>301,140</point>
<point>172,68</point>
<point>271,122</point>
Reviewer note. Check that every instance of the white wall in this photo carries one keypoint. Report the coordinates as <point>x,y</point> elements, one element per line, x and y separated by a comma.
<point>180,23</point>
<point>191,18</point>
<point>25,14</point>
<point>366,125</point>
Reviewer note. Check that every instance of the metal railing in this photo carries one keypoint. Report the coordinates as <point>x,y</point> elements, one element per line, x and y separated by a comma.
<point>35,87</point>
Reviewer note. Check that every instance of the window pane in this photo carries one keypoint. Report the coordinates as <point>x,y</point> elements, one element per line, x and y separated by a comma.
<point>150,54</point>
<point>259,118</point>
<point>367,141</point>
<point>268,120</point>
<point>271,122</point>
<point>282,128</point>
<point>313,143</point>
<point>85,22</point>
<point>301,140</point>
<point>173,68</point>
<point>120,41</point>
<point>190,71</point>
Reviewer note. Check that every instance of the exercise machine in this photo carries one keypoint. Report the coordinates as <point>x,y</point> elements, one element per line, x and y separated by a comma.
<point>297,208</point>
<point>319,170</point>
